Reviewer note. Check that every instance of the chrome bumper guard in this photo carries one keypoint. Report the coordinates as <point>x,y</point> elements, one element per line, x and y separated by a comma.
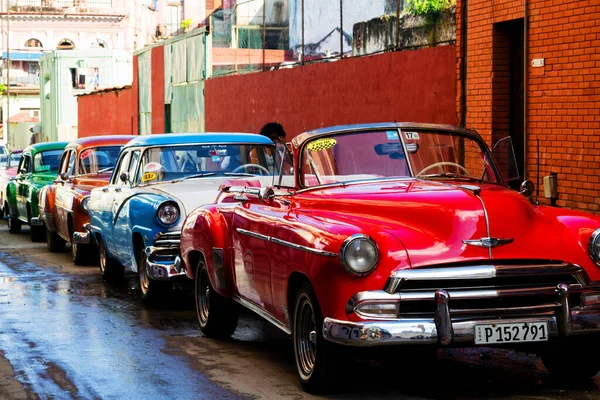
<point>164,262</point>
<point>83,237</point>
<point>448,316</point>
<point>35,221</point>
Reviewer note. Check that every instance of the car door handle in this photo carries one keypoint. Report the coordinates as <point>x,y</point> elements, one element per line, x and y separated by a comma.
<point>105,190</point>
<point>117,189</point>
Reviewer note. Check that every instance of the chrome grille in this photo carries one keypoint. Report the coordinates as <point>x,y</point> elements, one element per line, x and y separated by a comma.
<point>477,291</point>
<point>166,244</point>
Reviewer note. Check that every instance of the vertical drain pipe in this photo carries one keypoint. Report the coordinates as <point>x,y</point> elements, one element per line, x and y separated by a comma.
<point>525,87</point>
<point>463,56</point>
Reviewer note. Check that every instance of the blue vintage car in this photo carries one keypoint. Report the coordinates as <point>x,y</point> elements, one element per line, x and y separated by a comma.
<point>136,220</point>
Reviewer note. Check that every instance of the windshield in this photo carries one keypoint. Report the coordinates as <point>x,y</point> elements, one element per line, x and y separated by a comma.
<point>10,160</point>
<point>376,154</point>
<point>47,161</point>
<point>170,163</point>
<point>14,158</point>
<point>97,159</point>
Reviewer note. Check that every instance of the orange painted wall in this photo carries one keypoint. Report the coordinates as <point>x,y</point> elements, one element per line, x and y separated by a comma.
<point>158,89</point>
<point>107,113</point>
<point>412,85</point>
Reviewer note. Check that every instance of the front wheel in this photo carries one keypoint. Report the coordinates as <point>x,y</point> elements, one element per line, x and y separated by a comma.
<point>110,270</point>
<point>14,224</point>
<point>151,291</point>
<point>217,315</point>
<point>573,357</point>
<point>312,352</point>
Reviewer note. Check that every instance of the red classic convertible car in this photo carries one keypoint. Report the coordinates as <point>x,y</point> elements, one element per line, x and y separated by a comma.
<point>86,163</point>
<point>398,235</point>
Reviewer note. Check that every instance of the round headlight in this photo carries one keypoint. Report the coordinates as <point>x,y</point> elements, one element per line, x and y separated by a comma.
<point>594,246</point>
<point>359,255</point>
<point>168,213</point>
<point>84,203</point>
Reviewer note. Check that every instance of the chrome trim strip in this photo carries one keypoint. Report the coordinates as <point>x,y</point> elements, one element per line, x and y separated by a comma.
<point>254,234</point>
<point>540,308</point>
<point>482,272</point>
<point>487,221</point>
<point>253,307</point>
<point>300,247</point>
<point>286,243</point>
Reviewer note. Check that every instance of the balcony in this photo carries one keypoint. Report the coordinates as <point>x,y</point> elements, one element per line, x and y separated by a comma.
<point>63,6</point>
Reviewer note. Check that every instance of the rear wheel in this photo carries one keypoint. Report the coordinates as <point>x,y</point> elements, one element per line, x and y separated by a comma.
<point>573,357</point>
<point>217,315</point>
<point>38,233</point>
<point>110,270</point>
<point>312,352</point>
<point>54,242</point>
<point>14,224</point>
<point>151,291</point>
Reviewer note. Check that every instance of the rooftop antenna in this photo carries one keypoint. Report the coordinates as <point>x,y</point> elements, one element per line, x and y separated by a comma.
<point>537,189</point>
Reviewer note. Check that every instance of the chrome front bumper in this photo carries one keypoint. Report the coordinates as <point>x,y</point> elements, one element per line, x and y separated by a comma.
<point>83,237</point>
<point>164,262</point>
<point>442,329</point>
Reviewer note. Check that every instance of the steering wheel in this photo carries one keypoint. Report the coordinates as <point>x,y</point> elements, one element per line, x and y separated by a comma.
<point>441,164</point>
<point>247,168</point>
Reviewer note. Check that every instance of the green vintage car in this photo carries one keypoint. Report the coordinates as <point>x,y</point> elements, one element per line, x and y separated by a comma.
<point>38,167</point>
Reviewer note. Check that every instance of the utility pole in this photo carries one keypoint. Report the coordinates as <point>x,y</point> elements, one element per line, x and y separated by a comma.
<point>7,71</point>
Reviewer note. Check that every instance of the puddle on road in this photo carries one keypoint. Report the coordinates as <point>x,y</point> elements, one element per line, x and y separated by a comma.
<point>67,337</point>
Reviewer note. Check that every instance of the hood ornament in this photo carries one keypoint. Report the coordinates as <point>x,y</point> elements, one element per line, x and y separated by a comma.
<point>488,242</point>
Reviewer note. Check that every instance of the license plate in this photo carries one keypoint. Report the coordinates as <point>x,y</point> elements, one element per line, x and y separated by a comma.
<point>511,333</point>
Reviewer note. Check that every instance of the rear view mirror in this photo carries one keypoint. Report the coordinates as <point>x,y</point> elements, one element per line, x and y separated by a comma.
<point>64,176</point>
<point>124,177</point>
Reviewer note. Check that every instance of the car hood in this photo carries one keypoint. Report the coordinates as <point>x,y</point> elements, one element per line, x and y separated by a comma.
<point>85,183</point>
<point>40,180</point>
<point>434,219</point>
<point>191,193</point>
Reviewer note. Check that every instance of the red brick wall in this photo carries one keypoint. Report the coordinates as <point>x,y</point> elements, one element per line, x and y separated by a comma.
<point>415,85</point>
<point>563,97</point>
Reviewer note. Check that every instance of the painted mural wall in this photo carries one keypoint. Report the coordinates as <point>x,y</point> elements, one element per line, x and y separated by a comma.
<point>414,85</point>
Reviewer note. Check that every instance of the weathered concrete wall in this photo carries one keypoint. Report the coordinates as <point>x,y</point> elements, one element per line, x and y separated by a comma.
<point>416,85</point>
<point>379,34</point>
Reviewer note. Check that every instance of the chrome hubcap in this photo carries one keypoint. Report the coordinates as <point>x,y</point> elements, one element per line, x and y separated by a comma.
<point>306,337</point>
<point>203,297</point>
<point>102,258</point>
<point>143,274</point>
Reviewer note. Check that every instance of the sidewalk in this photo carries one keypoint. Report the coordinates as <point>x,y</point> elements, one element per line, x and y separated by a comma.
<point>10,387</point>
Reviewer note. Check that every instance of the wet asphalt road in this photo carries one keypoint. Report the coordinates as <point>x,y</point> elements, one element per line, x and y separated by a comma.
<point>65,334</point>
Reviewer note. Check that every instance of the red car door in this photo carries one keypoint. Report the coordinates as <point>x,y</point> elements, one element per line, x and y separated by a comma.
<point>253,223</point>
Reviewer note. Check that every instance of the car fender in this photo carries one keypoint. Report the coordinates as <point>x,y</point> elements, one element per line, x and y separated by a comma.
<point>578,229</point>
<point>205,232</point>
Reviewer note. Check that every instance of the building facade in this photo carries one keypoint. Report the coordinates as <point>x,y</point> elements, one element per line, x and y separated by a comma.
<point>530,69</point>
<point>31,28</point>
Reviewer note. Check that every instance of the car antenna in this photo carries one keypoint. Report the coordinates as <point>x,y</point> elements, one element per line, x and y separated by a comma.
<point>537,189</point>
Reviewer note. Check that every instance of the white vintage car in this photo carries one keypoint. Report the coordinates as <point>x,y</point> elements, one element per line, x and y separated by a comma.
<point>136,220</point>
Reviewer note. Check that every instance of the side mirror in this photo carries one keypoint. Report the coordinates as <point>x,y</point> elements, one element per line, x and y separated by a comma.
<point>527,188</point>
<point>124,177</point>
<point>64,176</point>
<point>22,171</point>
<point>265,193</point>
